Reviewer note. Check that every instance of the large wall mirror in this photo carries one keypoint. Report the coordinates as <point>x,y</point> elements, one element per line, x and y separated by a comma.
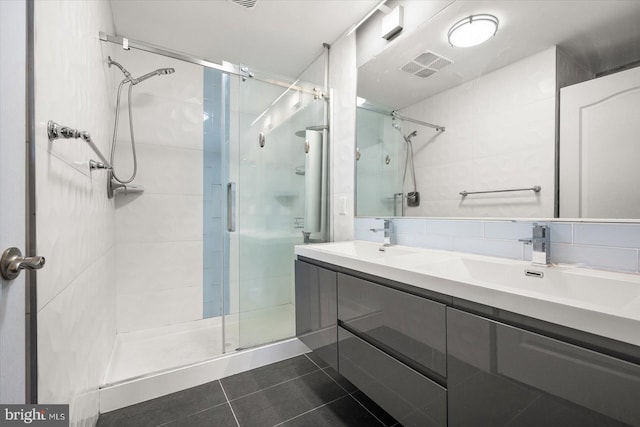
<point>541,120</point>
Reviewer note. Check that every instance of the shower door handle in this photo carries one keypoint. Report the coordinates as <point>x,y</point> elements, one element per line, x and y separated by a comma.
<point>231,206</point>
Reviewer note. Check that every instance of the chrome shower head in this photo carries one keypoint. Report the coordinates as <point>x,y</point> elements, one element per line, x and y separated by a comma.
<point>158,72</point>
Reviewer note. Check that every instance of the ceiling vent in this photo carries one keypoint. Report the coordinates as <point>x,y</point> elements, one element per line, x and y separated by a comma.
<point>246,3</point>
<point>426,64</point>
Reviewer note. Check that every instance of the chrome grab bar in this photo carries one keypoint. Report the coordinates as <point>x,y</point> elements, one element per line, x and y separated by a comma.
<point>56,131</point>
<point>535,189</point>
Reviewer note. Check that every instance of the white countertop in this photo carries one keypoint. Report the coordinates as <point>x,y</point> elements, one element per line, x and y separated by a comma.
<point>599,302</point>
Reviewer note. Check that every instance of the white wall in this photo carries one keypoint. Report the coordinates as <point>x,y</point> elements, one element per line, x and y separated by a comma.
<point>343,77</point>
<point>159,233</point>
<point>500,134</point>
<point>75,220</point>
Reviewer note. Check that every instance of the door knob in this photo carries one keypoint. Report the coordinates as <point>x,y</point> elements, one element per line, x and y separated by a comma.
<point>12,262</point>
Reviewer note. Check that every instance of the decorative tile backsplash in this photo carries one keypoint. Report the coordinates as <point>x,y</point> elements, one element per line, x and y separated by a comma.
<point>613,247</point>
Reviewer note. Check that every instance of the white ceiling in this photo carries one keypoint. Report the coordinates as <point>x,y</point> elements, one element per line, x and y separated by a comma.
<point>276,36</point>
<point>601,34</point>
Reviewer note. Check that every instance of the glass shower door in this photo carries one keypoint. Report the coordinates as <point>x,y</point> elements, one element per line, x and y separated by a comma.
<point>280,179</point>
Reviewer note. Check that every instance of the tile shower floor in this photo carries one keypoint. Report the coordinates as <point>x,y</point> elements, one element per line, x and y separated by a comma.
<point>301,391</point>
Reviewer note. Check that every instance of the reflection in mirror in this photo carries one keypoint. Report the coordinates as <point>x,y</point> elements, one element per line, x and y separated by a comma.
<point>499,103</point>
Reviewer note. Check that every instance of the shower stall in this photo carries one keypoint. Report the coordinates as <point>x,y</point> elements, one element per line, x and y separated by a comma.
<point>231,175</point>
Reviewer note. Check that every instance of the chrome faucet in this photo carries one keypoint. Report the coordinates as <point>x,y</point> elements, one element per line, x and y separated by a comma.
<point>387,232</point>
<point>540,241</point>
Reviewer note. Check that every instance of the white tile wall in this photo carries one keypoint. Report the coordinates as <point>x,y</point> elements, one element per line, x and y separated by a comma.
<point>500,133</point>
<point>159,233</point>
<point>75,220</point>
<point>143,310</point>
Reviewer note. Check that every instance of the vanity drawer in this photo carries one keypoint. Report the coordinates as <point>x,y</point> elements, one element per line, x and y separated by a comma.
<point>409,327</point>
<point>408,396</point>
<point>503,375</point>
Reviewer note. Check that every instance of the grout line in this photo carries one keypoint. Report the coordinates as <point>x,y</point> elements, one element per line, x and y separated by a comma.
<point>310,410</point>
<point>208,408</point>
<point>312,361</point>
<point>271,386</point>
<point>333,379</point>
<point>367,409</point>
<point>346,391</point>
<point>91,264</point>
<point>572,233</point>
<point>330,377</point>
<point>229,403</point>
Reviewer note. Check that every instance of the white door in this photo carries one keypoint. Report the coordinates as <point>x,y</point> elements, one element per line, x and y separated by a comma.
<point>12,195</point>
<point>600,147</point>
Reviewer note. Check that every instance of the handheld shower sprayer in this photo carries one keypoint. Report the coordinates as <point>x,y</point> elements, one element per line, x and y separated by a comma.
<point>413,197</point>
<point>135,81</point>
<point>158,72</point>
<point>116,182</point>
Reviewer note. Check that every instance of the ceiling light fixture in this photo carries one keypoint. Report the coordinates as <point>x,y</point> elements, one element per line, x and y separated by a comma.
<point>473,30</point>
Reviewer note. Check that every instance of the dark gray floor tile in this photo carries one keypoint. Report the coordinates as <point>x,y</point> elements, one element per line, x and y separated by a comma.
<point>377,411</point>
<point>344,412</point>
<point>218,416</point>
<point>487,399</point>
<point>165,409</point>
<point>266,376</point>
<point>342,381</point>
<point>548,411</point>
<point>315,359</point>
<point>287,400</point>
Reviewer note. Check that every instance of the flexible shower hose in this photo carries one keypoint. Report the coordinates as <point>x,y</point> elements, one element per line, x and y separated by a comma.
<point>115,135</point>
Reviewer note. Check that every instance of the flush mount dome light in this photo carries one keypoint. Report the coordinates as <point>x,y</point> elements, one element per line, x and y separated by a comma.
<point>473,30</point>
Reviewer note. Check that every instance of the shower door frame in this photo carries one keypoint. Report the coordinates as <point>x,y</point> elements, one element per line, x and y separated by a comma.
<point>244,72</point>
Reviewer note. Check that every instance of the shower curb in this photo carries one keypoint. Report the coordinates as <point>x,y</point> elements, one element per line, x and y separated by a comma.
<point>128,393</point>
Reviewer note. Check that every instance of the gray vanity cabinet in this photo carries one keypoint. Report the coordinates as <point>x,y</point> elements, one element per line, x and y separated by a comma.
<point>408,396</point>
<point>499,375</point>
<point>409,327</point>
<point>392,346</point>
<point>316,310</point>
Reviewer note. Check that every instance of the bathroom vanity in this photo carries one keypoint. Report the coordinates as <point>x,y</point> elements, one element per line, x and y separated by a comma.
<point>438,338</point>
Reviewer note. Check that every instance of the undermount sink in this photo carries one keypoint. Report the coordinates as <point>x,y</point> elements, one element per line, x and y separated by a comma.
<point>564,283</point>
